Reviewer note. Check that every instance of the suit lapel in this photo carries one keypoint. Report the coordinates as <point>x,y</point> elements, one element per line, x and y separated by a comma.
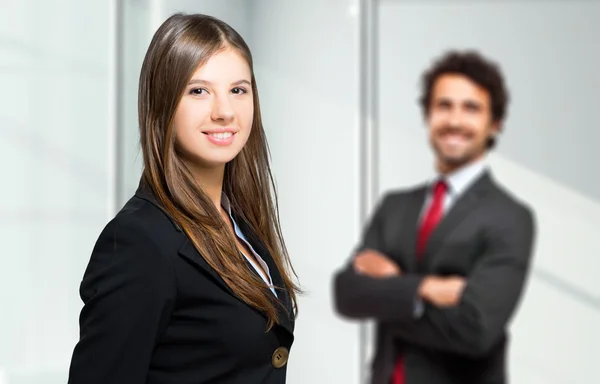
<point>285,313</point>
<point>189,252</point>
<point>187,249</point>
<point>465,204</point>
<point>408,226</point>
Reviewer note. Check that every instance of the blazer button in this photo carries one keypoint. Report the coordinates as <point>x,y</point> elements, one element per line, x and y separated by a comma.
<point>280,357</point>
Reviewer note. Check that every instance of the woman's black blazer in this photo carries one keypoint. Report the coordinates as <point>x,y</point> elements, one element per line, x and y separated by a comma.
<point>156,313</point>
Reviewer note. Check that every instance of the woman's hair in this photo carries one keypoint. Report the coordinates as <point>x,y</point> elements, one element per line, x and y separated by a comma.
<point>179,47</point>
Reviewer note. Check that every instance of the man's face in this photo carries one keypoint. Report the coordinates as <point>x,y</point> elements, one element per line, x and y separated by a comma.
<point>460,121</point>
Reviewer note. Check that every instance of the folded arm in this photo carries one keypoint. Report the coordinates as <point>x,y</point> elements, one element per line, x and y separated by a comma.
<point>390,297</point>
<point>363,297</point>
<point>489,299</point>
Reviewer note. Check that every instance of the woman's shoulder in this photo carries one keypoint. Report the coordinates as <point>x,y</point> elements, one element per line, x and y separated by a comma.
<point>141,223</point>
<point>132,255</point>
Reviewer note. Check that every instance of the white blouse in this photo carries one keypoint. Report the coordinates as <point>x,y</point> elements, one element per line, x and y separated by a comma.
<point>267,278</point>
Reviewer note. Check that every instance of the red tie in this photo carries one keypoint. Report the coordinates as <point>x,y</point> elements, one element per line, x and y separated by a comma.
<point>430,220</point>
<point>432,217</point>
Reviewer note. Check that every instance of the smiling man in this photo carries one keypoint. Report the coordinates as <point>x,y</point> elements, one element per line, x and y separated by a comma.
<point>441,267</point>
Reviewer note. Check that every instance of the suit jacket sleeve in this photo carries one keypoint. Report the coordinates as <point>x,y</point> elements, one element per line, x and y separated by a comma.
<point>490,297</point>
<point>361,297</point>
<point>128,290</point>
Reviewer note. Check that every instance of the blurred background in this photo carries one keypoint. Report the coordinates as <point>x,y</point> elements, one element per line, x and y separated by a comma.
<point>338,82</point>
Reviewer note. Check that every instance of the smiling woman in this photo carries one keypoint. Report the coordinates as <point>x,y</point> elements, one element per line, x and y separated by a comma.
<point>218,102</point>
<point>191,281</point>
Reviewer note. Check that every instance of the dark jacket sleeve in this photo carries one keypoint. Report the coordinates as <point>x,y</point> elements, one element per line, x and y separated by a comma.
<point>490,298</point>
<point>128,292</point>
<point>362,297</point>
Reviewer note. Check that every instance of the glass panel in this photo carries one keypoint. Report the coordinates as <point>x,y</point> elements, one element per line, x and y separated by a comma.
<point>137,29</point>
<point>53,140</point>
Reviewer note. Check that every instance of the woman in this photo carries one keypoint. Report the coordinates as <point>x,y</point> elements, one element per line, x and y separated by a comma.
<point>189,283</point>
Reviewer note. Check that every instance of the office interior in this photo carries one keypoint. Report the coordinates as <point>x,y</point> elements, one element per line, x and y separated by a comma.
<point>338,83</point>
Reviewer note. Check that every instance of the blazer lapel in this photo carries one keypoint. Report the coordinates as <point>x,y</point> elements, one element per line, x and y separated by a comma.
<point>465,204</point>
<point>409,219</point>
<point>285,313</point>
<point>189,252</point>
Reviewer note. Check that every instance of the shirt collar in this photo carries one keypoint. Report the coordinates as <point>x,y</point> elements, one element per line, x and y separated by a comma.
<point>225,203</point>
<point>459,180</point>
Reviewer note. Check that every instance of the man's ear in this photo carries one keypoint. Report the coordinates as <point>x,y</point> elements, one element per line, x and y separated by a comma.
<point>495,128</point>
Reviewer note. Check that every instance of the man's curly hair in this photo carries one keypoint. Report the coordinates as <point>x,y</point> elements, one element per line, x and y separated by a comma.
<point>478,69</point>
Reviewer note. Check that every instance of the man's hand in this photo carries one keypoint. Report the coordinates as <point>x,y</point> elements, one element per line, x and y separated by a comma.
<point>375,264</point>
<point>442,291</point>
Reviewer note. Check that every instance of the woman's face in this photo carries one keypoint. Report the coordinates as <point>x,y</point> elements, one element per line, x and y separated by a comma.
<point>214,117</point>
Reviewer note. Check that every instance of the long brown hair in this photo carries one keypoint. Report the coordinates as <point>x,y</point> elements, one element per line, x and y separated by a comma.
<point>178,48</point>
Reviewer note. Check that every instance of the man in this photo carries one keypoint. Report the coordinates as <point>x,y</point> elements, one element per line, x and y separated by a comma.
<point>441,267</point>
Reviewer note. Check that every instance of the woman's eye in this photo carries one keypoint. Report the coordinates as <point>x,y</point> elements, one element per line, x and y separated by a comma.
<point>238,91</point>
<point>198,91</point>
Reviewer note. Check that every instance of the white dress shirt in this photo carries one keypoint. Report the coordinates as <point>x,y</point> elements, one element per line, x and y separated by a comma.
<point>458,182</point>
<point>238,232</point>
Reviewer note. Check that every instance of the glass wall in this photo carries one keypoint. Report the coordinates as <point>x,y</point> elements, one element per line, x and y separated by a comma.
<point>54,143</point>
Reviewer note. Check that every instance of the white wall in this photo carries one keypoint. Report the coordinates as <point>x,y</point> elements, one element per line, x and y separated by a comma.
<point>306,66</point>
<point>53,150</point>
<point>544,156</point>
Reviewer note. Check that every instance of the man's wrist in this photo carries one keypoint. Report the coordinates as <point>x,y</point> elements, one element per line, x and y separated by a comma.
<point>424,287</point>
<point>425,290</point>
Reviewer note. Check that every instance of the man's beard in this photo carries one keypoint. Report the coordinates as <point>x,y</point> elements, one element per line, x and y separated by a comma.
<point>455,161</point>
<point>469,153</point>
